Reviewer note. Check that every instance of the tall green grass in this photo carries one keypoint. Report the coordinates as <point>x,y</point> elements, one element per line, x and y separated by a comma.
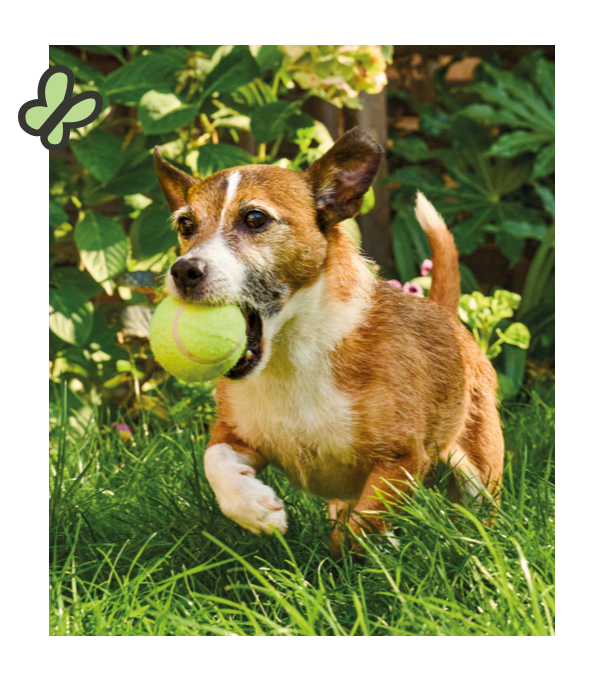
<point>138,545</point>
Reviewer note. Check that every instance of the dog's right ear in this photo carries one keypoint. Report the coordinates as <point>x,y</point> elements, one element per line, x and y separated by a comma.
<point>341,177</point>
<point>174,183</point>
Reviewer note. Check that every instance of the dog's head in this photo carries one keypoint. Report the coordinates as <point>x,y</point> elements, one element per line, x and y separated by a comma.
<point>257,234</point>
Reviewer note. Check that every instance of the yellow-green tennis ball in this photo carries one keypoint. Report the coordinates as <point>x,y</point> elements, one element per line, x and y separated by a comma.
<point>197,343</point>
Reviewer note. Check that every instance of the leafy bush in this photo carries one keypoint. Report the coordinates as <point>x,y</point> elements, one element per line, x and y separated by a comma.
<point>485,158</point>
<point>110,237</point>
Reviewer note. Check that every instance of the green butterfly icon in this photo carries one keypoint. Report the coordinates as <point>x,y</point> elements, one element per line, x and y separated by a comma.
<point>55,111</point>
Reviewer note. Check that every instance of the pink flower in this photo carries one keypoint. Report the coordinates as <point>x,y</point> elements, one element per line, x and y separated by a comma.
<point>426,268</point>
<point>124,431</point>
<point>395,283</point>
<point>413,289</point>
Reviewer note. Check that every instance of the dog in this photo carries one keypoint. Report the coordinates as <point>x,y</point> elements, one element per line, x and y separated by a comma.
<point>350,386</point>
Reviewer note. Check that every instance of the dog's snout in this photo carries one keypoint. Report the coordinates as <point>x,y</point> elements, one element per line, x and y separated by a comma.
<point>187,274</point>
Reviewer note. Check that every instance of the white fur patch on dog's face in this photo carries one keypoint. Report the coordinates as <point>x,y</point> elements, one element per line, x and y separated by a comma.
<point>226,271</point>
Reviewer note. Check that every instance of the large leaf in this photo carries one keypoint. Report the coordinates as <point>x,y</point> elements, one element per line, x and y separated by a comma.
<point>271,120</point>
<point>236,69</point>
<point>151,233</point>
<point>102,244</point>
<point>71,315</point>
<point>518,142</point>
<point>216,157</point>
<point>511,246</point>
<point>161,113</point>
<point>139,178</point>
<point>269,57</point>
<point>128,84</point>
<point>56,214</point>
<point>545,162</point>
<point>73,279</point>
<point>100,153</point>
<point>515,359</point>
<point>82,70</point>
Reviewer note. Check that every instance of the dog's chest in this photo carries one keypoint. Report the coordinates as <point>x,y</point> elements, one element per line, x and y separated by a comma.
<point>300,422</point>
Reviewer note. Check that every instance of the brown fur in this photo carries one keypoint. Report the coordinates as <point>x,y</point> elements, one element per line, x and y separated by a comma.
<point>408,380</point>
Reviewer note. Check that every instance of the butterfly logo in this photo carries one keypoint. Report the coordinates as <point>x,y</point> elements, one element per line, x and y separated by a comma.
<point>56,111</point>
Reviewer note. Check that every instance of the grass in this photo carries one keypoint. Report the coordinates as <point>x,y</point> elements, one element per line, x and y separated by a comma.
<point>138,545</point>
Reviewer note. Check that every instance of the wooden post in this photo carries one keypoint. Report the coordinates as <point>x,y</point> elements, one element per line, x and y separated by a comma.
<point>375,225</point>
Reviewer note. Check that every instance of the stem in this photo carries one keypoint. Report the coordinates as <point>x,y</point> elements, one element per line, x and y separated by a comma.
<point>539,270</point>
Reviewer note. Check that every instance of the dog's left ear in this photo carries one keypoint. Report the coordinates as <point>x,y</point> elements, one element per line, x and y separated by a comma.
<point>341,177</point>
<point>174,183</point>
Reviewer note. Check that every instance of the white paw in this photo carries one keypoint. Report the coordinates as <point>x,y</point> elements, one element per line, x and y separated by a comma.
<point>242,497</point>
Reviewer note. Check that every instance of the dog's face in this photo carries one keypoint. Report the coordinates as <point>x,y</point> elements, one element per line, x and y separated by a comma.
<point>255,235</point>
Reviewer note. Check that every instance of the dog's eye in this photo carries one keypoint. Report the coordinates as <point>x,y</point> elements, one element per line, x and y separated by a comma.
<point>255,220</point>
<point>185,227</point>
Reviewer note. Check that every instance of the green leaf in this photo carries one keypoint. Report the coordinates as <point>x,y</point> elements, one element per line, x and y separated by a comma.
<point>507,388</point>
<point>387,52</point>
<point>270,120</point>
<point>71,315</point>
<point>412,148</point>
<point>57,214</point>
<point>369,199</point>
<point>100,153</point>
<point>73,279</point>
<point>82,71</point>
<point>208,50</point>
<point>113,50</point>
<point>523,230</point>
<point>140,178</point>
<point>518,142</point>
<point>128,84</point>
<point>60,177</point>
<point>545,162</point>
<point>236,69</point>
<point>515,359</point>
<point>151,233</point>
<point>547,197</point>
<point>216,157</point>
<point>515,335</point>
<point>269,57</point>
<point>161,113</point>
<point>470,233</point>
<point>102,244</point>
<point>434,122</point>
<point>511,246</point>
<point>486,114</point>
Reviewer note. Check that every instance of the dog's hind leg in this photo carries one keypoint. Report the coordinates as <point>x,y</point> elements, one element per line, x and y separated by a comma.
<point>478,454</point>
<point>384,484</point>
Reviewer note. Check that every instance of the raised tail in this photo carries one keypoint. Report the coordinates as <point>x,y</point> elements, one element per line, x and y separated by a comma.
<point>445,282</point>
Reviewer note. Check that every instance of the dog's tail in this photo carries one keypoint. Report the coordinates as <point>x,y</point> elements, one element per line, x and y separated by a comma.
<point>445,278</point>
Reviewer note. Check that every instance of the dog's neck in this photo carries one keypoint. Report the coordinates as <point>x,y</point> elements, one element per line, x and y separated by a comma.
<point>318,317</point>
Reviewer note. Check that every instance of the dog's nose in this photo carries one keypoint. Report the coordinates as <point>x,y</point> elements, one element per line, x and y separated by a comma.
<point>187,274</point>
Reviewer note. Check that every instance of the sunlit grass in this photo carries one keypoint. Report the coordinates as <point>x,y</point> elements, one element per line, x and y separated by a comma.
<point>138,546</point>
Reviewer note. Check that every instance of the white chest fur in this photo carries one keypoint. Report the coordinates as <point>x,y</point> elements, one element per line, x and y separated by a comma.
<point>291,411</point>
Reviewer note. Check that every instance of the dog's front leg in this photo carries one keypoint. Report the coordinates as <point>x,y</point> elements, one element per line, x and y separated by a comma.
<point>231,469</point>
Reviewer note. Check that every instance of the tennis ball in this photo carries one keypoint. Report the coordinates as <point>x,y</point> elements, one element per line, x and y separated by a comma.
<point>195,342</point>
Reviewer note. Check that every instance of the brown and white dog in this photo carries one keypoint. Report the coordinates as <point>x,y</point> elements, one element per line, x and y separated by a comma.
<point>350,386</point>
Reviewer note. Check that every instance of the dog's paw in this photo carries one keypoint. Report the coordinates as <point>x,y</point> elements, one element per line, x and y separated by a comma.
<point>243,498</point>
<point>256,507</point>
